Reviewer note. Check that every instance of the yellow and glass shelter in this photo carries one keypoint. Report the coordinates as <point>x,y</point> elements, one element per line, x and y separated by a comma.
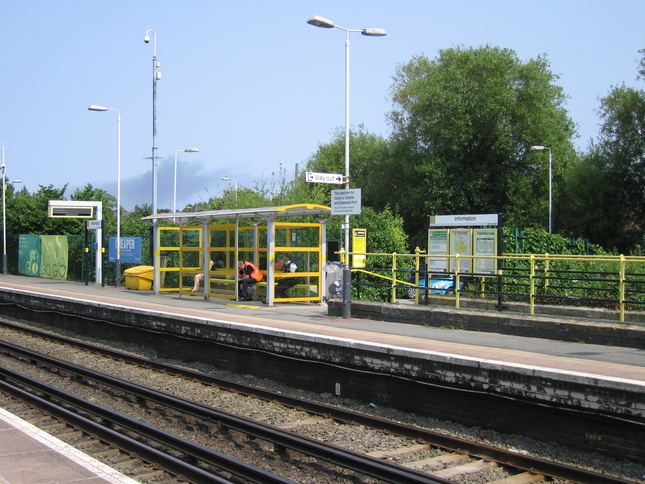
<point>211,243</point>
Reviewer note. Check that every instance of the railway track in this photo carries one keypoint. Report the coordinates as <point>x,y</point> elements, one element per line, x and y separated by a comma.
<point>419,448</point>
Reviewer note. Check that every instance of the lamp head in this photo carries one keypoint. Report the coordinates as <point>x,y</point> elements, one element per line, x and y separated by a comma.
<point>225,178</point>
<point>537,148</point>
<point>97,108</point>
<point>191,150</point>
<point>146,39</point>
<point>322,22</point>
<point>374,32</point>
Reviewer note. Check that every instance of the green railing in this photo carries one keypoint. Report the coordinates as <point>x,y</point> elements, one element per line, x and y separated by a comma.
<point>611,282</point>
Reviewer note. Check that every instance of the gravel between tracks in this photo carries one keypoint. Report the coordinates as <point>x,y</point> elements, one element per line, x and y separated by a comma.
<point>273,414</point>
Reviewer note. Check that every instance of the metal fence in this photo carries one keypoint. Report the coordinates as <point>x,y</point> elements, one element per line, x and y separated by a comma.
<point>616,283</point>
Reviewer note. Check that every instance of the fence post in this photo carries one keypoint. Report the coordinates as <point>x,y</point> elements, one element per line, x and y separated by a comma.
<point>393,294</point>
<point>532,285</point>
<point>457,266</point>
<point>621,288</point>
<point>546,272</point>
<point>417,264</point>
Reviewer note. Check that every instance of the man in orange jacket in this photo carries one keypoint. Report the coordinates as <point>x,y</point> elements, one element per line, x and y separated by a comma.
<point>248,273</point>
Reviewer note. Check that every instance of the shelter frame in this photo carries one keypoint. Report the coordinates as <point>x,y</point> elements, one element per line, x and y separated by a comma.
<point>267,215</point>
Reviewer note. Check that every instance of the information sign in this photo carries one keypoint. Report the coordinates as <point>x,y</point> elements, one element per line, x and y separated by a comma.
<point>346,202</point>
<point>359,239</point>
<point>481,220</point>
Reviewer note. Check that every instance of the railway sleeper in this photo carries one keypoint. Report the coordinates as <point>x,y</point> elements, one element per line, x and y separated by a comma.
<point>437,462</point>
<point>523,478</point>
<point>468,468</point>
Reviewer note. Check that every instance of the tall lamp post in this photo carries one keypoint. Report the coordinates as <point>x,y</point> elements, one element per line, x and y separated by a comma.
<point>324,23</point>
<point>542,148</point>
<point>225,178</point>
<point>117,281</point>
<point>174,192</point>
<point>4,213</point>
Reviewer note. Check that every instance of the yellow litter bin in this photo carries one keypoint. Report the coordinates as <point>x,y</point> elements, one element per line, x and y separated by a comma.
<point>139,278</point>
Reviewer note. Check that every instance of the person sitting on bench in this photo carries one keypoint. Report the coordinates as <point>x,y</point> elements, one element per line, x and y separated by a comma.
<point>285,283</point>
<point>248,273</point>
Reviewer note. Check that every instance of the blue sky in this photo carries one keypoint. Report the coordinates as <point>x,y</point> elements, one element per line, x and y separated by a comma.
<point>252,85</point>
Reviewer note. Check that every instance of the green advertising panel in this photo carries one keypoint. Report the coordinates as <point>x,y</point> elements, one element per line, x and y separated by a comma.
<point>54,257</point>
<point>29,255</point>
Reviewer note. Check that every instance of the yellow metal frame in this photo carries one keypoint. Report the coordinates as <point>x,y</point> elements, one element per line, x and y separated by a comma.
<point>224,278</point>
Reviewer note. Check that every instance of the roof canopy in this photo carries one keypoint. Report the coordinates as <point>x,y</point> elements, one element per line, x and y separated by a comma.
<point>266,213</point>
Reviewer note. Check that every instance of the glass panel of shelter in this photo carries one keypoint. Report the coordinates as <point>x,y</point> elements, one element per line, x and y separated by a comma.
<point>301,240</point>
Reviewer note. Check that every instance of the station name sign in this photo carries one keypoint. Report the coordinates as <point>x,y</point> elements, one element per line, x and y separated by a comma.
<point>479,220</point>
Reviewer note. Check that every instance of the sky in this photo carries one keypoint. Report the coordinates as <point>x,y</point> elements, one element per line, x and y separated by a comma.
<point>253,86</point>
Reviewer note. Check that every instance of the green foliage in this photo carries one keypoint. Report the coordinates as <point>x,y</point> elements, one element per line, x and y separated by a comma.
<point>28,214</point>
<point>385,235</point>
<point>132,224</point>
<point>607,186</point>
<point>463,125</point>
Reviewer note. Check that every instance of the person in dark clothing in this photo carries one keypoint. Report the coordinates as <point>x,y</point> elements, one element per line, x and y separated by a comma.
<point>284,283</point>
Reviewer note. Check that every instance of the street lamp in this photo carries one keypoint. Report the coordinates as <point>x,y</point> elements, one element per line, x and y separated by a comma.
<point>324,23</point>
<point>225,178</point>
<point>117,281</point>
<point>174,193</point>
<point>4,216</point>
<point>542,148</point>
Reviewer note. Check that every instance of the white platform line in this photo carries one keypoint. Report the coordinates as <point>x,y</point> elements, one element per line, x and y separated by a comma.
<point>75,455</point>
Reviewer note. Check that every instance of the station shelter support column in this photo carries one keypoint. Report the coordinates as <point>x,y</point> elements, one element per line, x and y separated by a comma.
<point>270,259</point>
<point>206,254</point>
<point>156,258</point>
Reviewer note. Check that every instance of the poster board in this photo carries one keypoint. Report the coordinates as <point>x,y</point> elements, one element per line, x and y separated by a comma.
<point>461,243</point>
<point>438,246</point>
<point>485,244</point>
<point>359,247</point>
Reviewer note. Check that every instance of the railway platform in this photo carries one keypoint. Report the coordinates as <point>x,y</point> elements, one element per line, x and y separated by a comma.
<point>587,377</point>
<point>30,456</point>
<point>605,360</point>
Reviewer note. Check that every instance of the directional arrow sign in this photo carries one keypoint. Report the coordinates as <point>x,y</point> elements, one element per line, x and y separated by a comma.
<point>314,177</point>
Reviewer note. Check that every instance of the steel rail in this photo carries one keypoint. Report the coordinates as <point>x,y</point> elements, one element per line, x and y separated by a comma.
<point>529,463</point>
<point>100,431</point>
<point>364,464</point>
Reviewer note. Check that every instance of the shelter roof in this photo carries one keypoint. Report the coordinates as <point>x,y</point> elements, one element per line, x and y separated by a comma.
<point>262,212</point>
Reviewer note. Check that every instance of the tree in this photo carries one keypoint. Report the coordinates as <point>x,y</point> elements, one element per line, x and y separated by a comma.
<point>366,150</point>
<point>463,125</point>
<point>132,223</point>
<point>108,206</point>
<point>28,214</point>
<point>608,185</point>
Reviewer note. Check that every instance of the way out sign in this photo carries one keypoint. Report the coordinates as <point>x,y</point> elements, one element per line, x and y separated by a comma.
<point>346,202</point>
<point>334,178</point>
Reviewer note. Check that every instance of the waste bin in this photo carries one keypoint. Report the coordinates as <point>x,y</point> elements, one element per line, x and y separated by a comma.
<point>139,278</point>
